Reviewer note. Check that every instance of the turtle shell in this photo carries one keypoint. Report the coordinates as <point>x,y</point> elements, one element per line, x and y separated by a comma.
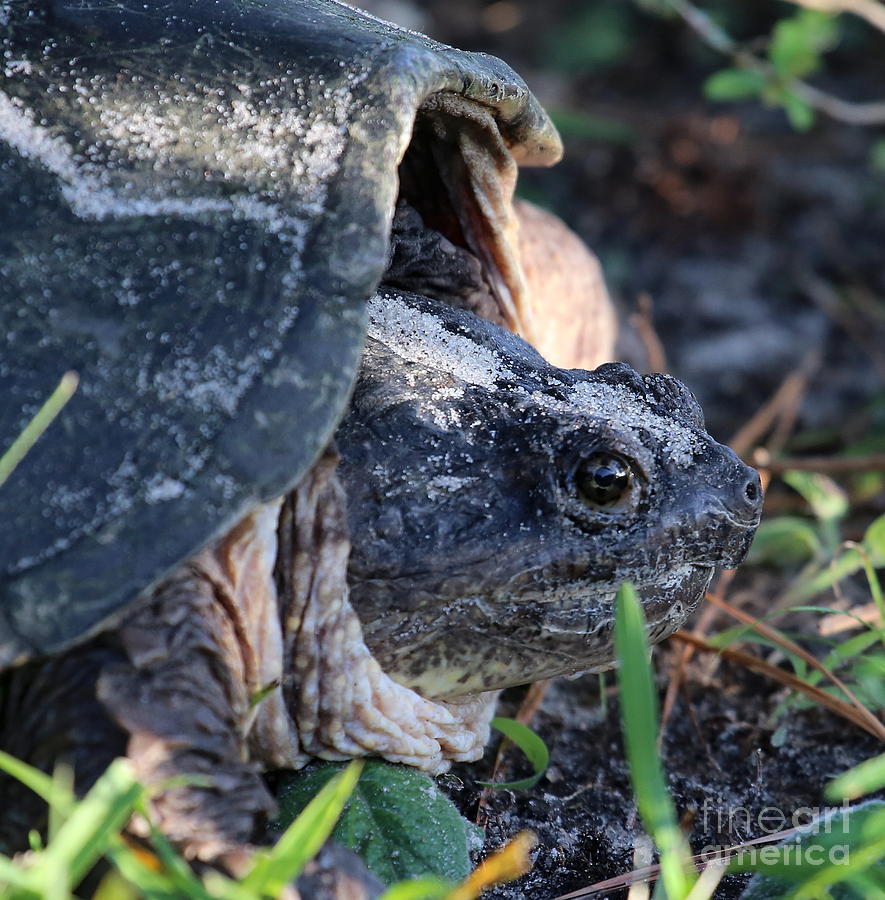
<point>196,200</point>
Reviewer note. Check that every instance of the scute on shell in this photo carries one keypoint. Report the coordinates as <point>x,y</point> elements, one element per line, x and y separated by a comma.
<point>197,199</point>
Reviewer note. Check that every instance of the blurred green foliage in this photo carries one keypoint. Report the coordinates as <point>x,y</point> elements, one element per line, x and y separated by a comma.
<point>594,36</point>
<point>795,50</point>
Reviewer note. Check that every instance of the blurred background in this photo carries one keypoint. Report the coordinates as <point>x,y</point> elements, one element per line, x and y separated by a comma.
<point>739,207</point>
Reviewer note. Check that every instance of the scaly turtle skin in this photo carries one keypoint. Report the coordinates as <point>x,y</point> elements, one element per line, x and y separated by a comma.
<point>200,209</point>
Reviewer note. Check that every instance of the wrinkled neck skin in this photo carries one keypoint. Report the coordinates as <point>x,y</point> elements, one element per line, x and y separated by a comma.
<point>336,701</point>
<point>476,562</point>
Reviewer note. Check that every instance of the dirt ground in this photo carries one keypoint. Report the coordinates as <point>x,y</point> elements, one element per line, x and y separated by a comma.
<point>759,252</point>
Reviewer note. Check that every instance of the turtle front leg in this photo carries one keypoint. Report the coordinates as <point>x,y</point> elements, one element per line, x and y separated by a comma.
<point>343,703</point>
<point>183,701</point>
<point>195,694</point>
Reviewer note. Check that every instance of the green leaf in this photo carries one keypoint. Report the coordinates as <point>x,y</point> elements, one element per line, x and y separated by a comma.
<point>302,840</point>
<point>785,541</point>
<point>847,563</point>
<point>800,114</point>
<point>397,819</point>
<point>827,500</point>
<point>734,84</point>
<point>790,53</point>
<point>863,779</point>
<point>836,857</point>
<point>531,745</point>
<point>640,723</point>
<point>798,42</point>
<point>419,889</point>
<point>874,542</point>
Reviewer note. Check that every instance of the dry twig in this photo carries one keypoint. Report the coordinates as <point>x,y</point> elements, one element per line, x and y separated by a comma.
<point>651,873</point>
<point>677,676</point>
<point>821,697</point>
<point>781,407</point>
<point>643,323</point>
<point>790,646</point>
<point>826,464</point>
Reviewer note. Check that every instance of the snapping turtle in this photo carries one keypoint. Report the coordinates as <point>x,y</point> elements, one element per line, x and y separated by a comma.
<point>199,206</point>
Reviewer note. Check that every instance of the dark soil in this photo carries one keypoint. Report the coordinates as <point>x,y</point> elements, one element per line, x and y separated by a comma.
<point>728,781</point>
<point>761,250</point>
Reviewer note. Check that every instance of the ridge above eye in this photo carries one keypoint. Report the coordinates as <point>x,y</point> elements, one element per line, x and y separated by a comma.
<point>602,479</point>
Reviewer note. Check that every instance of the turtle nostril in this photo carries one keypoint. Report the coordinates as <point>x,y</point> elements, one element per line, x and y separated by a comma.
<point>743,499</point>
<point>751,501</point>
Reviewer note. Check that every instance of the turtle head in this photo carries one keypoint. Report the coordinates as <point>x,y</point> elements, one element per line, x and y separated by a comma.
<point>497,503</point>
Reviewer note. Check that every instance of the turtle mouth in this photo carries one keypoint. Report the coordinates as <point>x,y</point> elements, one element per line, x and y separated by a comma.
<point>454,233</point>
<point>669,602</point>
<point>498,643</point>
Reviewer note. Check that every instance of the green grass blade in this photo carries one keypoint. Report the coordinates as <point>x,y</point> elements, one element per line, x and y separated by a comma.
<point>864,778</point>
<point>147,882</point>
<point>94,821</point>
<point>177,871</point>
<point>41,421</point>
<point>875,586</point>
<point>531,745</point>
<point>115,887</point>
<point>640,717</point>
<point>55,878</point>
<point>861,859</point>
<point>16,877</point>
<point>302,840</point>
<point>63,783</point>
<point>418,889</point>
<point>43,785</point>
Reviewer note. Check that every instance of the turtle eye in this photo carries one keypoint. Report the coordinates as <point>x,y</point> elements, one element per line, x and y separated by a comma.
<point>602,479</point>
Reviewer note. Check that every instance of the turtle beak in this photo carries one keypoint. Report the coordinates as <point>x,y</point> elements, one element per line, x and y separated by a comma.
<point>727,516</point>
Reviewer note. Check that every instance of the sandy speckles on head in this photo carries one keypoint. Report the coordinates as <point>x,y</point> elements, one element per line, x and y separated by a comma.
<point>421,338</point>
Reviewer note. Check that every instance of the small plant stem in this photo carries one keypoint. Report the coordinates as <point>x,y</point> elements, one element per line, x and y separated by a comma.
<point>866,114</point>
<point>824,464</point>
<point>868,722</point>
<point>872,577</point>
<point>41,421</point>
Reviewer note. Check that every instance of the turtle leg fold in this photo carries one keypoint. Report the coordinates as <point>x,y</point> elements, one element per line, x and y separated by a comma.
<point>187,686</point>
<point>171,688</point>
<point>181,699</point>
<point>342,702</point>
<point>192,697</point>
